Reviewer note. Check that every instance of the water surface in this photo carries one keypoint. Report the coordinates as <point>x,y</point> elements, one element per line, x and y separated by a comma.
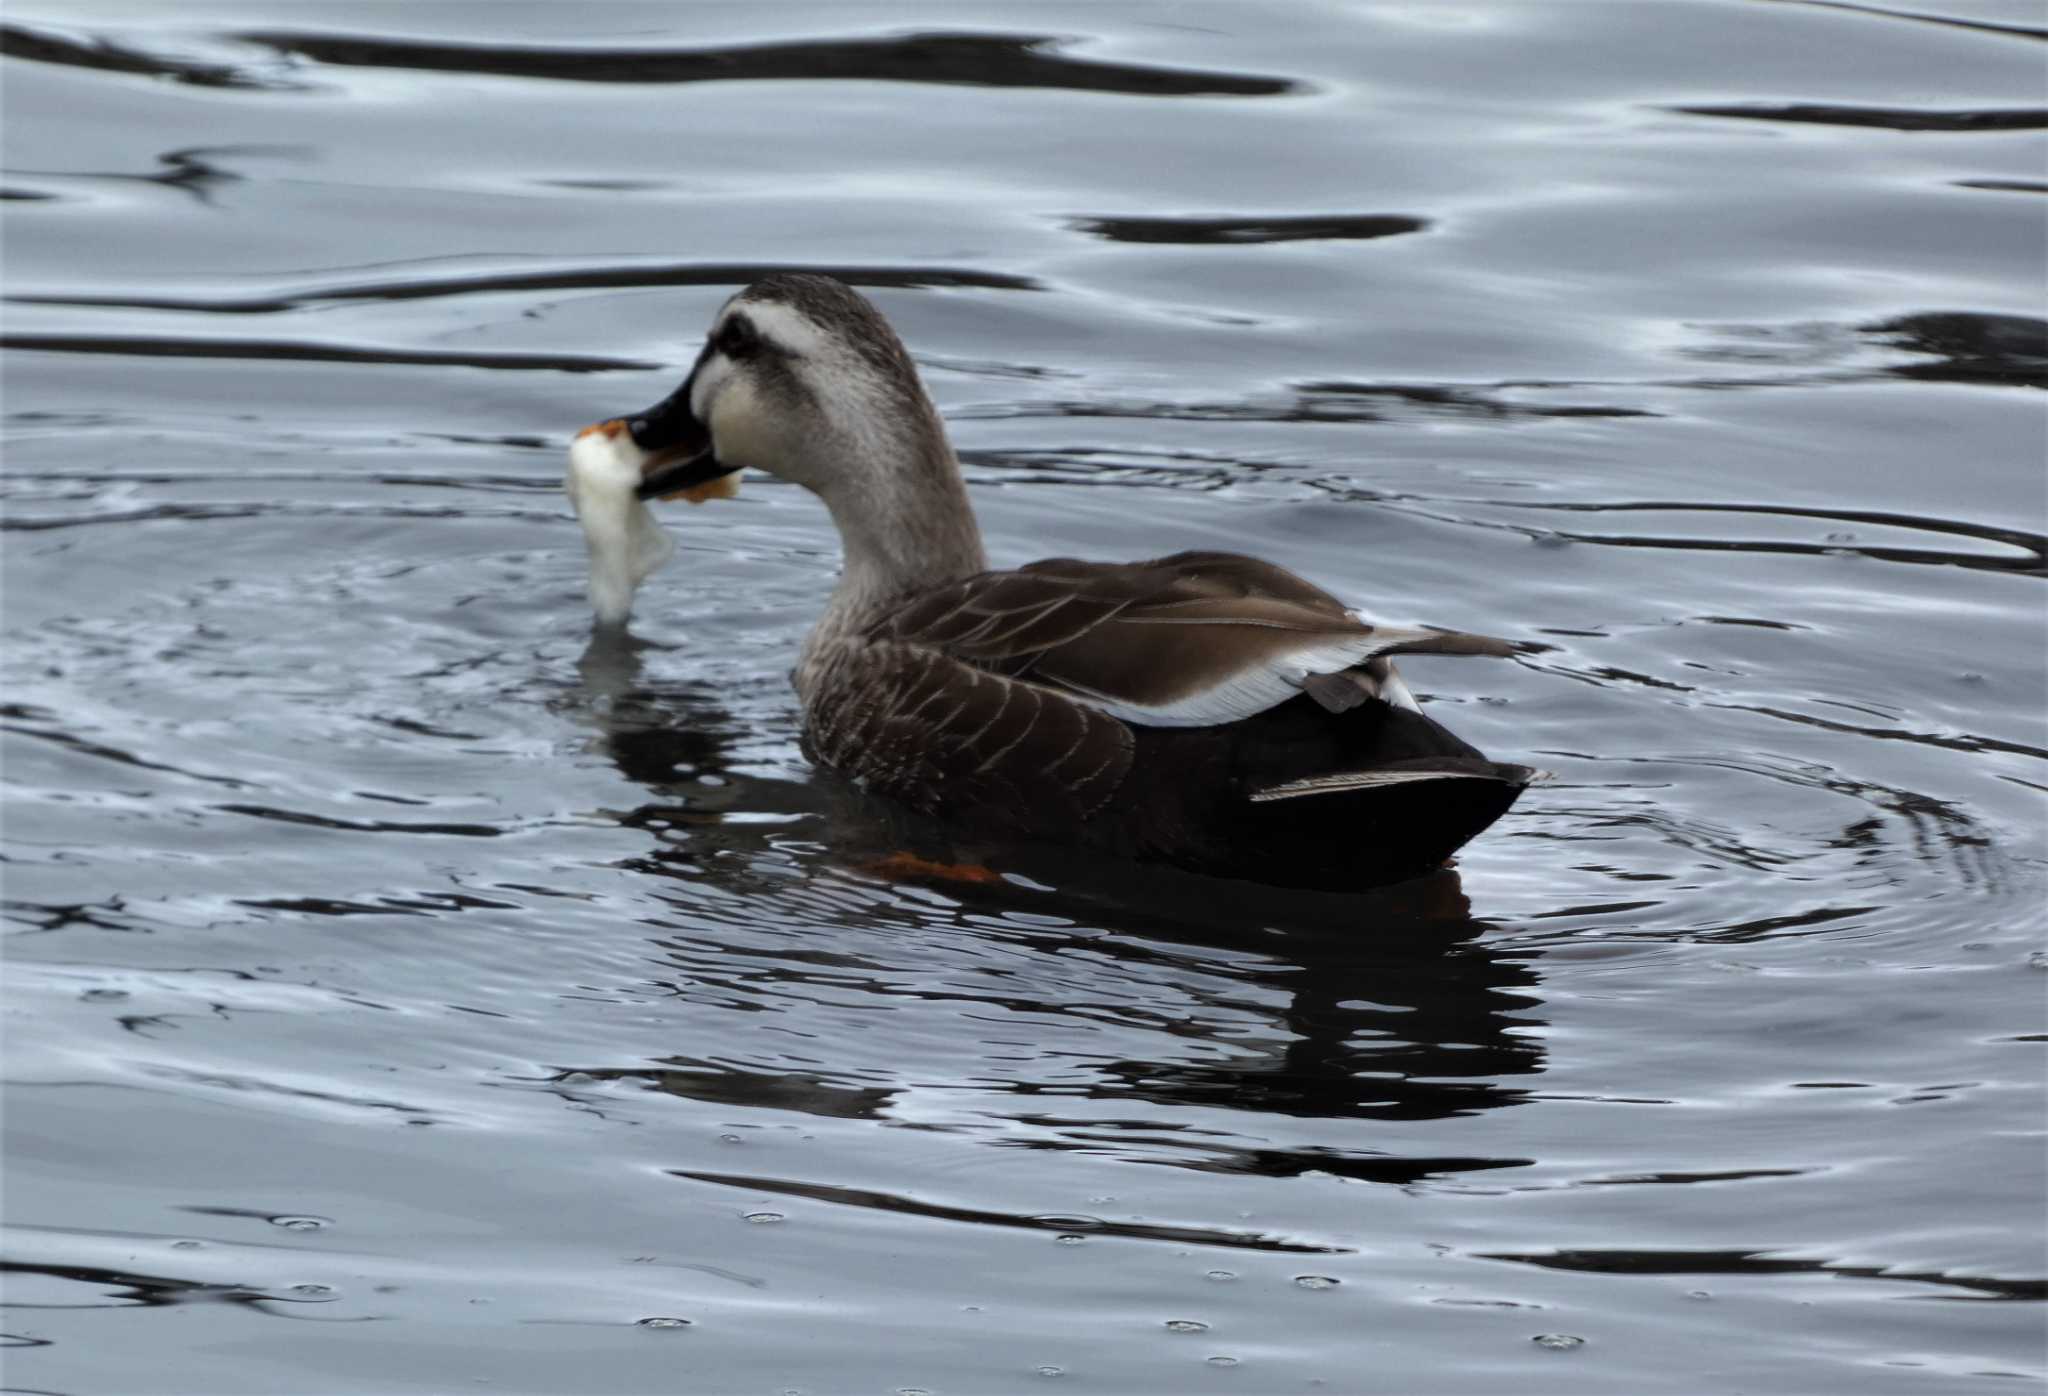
<point>406,994</point>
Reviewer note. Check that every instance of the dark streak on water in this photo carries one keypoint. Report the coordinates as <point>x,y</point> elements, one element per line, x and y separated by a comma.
<point>103,55</point>
<point>556,278</point>
<point>976,60</point>
<point>1058,1225</point>
<point>1198,231</point>
<point>1890,118</point>
<point>2017,31</point>
<point>386,956</point>
<point>1752,1263</point>
<point>284,351</point>
<point>973,60</point>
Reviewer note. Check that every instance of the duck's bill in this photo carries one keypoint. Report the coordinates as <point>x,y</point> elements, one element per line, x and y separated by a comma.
<point>679,458</point>
<point>695,476</point>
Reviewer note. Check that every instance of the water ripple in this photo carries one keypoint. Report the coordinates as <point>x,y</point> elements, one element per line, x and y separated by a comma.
<point>892,1202</point>
<point>602,276</point>
<point>1888,118</point>
<point>961,59</point>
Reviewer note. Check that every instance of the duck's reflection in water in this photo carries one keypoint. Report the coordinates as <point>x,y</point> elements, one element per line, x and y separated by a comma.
<point>1387,1006</point>
<point>1242,1001</point>
<point>680,742</point>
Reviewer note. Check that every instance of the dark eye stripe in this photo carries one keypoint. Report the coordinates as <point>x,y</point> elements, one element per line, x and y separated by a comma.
<point>739,339</point>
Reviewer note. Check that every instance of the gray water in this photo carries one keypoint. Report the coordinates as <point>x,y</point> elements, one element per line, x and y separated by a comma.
<point>406,995</point>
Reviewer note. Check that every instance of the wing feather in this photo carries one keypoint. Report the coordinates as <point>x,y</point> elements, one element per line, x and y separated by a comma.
<point>1407,772</point>
<point>935,731</point>
<point>1192,640</point>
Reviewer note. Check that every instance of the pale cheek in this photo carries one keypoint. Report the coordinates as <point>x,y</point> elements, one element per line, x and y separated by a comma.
<point>710,381</point>
<point>739,431</point>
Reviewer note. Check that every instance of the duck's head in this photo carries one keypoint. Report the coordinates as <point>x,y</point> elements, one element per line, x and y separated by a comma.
<point>799,376</point>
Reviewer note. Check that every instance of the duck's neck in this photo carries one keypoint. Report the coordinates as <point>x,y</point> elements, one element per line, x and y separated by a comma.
<point>905,525</point>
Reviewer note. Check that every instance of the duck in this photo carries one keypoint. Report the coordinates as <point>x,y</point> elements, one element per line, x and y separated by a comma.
<point>1205,710</point>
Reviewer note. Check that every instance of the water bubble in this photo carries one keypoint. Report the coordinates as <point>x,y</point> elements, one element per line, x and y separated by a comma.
<point>1699,1294</point>
<point>912,1391</point>
<point>313,1291</point>
<point>1048,1370</point>
<point>1317,1281</point>
<point>1186,1325</point>
<point>1221,1276</point>
<point>2038,960</point>
<point>1558,1342</point>
<point>1069,1239</point>
<point>730,1139</point>
<point>302,1223</point>
<point>661,1322</point>
<point>104,995</point>
<point>765,1218</point>
<point>1220,1361</point>
<point>188,1245</point>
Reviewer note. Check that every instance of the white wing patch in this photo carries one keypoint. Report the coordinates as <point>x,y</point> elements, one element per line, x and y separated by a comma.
<point>1393,687</point>
<point>1243,694</point>
<point>1253,690</point>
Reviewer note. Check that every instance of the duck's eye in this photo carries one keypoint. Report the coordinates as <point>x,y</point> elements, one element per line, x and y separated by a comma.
<point>737,339</point>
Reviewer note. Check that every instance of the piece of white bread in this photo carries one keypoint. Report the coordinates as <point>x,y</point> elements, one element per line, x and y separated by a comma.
<point>626,544</point>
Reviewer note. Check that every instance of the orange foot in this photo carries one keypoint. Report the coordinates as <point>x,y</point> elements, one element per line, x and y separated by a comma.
<point>909,865</point>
